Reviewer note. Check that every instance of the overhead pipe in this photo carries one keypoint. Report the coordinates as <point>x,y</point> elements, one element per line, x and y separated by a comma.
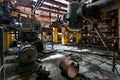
<point>79,12</point>
<point>102,2</point>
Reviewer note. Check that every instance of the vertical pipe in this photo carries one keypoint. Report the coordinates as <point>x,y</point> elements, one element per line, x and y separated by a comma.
<point>55,34</point>
<point>64,36</point>
<point>119,29</point>
<point>78,37</point>
<point>6,42</point>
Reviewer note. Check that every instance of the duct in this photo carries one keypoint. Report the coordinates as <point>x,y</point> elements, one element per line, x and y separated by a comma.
<point>79,12</point>
<point>102,2</point>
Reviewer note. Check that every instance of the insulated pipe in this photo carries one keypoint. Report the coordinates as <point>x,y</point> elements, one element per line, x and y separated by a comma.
<point>79,12</point>
<point>69,67</point>
<point>102,2</point>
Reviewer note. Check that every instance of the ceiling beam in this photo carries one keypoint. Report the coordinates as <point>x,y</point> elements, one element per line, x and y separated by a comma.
<point>47,10</point>
<point>49,1</point>
<point>25,2</point>
<point>55,8</point>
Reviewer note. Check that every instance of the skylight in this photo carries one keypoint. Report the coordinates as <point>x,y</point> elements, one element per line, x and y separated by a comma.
<point>35,0</point>
<point>63,1</point>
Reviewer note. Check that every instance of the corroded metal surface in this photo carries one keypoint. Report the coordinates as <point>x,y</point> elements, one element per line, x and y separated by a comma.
<point>69,67</point>
<point>27,54</point>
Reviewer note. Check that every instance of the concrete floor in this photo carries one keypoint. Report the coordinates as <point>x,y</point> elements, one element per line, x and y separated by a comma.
<point>91,67</point>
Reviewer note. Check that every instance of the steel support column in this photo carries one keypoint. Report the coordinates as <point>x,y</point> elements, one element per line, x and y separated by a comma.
<point>6,42</point>
<point>64,36</point>
<point>10,38</point>
<point>119,29</point>
<point>55,34</point>
<point>78,37</point>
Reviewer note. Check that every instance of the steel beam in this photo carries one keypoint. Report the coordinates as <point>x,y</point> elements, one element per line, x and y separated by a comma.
<point>47,10</point>
<point>43,5</point>
<point>102,38</point>
<point>55,8</point>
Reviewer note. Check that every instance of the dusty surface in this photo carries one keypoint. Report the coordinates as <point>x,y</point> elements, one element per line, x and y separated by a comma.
<point>92,67</point>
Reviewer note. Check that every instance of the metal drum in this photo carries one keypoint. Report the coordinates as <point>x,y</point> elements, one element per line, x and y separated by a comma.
<point>69,67</point>
<point>27,54</point>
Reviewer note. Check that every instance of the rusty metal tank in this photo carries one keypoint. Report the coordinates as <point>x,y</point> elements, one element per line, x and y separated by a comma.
<point>27,54</point>
<point>69,67</point>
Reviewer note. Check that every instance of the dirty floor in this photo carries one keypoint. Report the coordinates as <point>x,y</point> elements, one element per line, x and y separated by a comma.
<point>91,67</point>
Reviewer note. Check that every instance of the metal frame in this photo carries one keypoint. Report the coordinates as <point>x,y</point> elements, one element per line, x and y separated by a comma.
<point>2,70</point>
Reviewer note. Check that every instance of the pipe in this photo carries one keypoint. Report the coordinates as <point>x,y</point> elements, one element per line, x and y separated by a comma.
<point>102,2</point>
<point>69,67</point>
<point>78,12</point>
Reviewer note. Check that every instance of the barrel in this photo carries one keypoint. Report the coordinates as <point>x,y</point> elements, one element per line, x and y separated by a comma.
<point>69,67</point>
<point>27,54</point>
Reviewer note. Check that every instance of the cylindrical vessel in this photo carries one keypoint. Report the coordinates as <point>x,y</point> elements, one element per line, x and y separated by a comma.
<point>69,67</point>
<point>75,21</point>
<point>27,54</point>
